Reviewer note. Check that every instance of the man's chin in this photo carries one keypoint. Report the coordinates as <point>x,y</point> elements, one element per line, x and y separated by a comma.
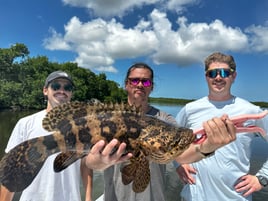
<point>60,101</point>
<point>139,97</point>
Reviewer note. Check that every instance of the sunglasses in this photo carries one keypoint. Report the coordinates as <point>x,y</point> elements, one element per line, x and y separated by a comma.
<point>223,72</point>
<point>57,86</point>
<point>145,81</point>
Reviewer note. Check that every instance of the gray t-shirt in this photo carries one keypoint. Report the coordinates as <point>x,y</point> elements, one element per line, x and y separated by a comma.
<point>115,190</point>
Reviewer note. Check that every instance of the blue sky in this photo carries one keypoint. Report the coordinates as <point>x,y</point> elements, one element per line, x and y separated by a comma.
<point>173,36</point>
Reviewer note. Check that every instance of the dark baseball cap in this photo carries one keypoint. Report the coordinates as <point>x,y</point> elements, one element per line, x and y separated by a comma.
<point>58,74</point>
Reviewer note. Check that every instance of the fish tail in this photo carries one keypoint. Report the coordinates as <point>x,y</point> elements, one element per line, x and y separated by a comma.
<point>20,165</point>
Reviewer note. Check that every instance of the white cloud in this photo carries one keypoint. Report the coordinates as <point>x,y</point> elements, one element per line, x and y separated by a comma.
<point>191,42</point>
<point>99,43</point>
<point>108,8</point>
<point>111,8</point>
<point>129,43</point>
<point>259,38</point>
<point>56,41</point>
<point>180,5</point>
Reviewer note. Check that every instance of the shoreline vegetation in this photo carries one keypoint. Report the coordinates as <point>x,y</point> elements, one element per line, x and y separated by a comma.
<point>170,101</point>
<point>178,101</point>
<point>158,100</point>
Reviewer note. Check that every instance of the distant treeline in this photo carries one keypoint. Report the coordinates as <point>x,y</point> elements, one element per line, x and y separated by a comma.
<point>175,101</point>
<point>179,101</point>
<point>261,104</point>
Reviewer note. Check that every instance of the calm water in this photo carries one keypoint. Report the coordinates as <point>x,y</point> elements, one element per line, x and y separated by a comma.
<point>260,153</point>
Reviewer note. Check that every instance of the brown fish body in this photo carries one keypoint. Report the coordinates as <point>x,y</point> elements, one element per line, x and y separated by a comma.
<point>77,126</point>
<point>162,142</point>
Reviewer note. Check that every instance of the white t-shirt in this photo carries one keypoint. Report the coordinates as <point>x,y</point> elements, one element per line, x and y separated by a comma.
<point>217,175</point>
<point>48,185</point>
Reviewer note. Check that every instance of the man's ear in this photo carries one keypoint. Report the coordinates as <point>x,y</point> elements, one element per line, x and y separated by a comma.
<point>45,91</point>
<point>234,76</point>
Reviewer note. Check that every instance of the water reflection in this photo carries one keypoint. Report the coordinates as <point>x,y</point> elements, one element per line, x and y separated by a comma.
<point>8,119</point>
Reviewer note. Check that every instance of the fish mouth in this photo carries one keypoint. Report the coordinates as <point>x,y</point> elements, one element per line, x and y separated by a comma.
<point>199,138</point>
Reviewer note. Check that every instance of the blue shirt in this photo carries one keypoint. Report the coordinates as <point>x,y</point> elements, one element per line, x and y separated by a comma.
<point>217,175</point>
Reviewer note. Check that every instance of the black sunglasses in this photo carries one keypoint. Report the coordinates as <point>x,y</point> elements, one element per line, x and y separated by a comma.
<point>223,72</point>
<point>145,81</point>
<point>57,86</point>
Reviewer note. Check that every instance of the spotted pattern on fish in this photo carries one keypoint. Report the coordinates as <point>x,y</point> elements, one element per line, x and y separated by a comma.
<point>77,126</point>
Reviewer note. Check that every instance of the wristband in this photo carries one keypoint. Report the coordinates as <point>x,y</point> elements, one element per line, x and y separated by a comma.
<point>175,164</point>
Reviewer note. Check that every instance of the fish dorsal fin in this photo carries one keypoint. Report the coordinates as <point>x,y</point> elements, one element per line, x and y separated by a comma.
<point>75,110</point>
<point>66,111</point>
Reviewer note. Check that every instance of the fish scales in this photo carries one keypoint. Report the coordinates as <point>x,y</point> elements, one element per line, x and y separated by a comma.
<point>77,126</point>
<point>162,143</point>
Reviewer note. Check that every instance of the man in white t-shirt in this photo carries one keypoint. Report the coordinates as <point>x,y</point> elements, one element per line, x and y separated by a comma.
<point>64,185</point>
<point>224,175</point>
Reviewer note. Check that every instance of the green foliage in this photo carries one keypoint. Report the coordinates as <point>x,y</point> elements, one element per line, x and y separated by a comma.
<point>175,101</point>
<point>22,79</point>
<point>178,101</point>
<point>8,67</point>
<point>8,93</point>
<point>261,104</point>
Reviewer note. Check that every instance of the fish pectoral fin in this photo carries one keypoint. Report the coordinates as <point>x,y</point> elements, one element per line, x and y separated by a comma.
<point>142,177</point>
<point>128,171</point>
<point>138,172</point>
<point>63,160</point>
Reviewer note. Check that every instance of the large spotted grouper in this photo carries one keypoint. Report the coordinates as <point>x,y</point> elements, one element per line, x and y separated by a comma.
<point>77,126</point>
